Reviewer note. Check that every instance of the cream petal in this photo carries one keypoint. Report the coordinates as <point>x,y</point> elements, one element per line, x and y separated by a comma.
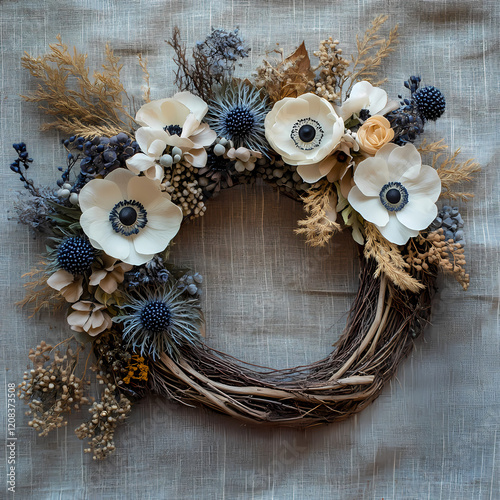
<point>203,136</point>
<point>190,126</point>
<point>418,215</point>
<point>371,175</point>
<point>149,114</point>
<point>293,111</point>
<point>402,159</point>
<point>109,284</point>
<point>197,157</point>
<point>60,279</point>
<point>140,163</point>
<point>352,105</point>
<point>181,142</point>
<point>195,104</point>
<point>143,190</point>
<point>145,136</point>
<point>385,151</point>
<point>317,105</point>
<point>83,305</point>
<point>310,173</point>
<point>137,259</point>
<point>396,232</point>
<point>78,319</point>
<point>173,112</point>
<point>155,173</point>
<point>97,276</point>
<point>101,193</point>
<point>121,178</point>
<point>426,184</point>
<point>99,228</point>
<point>156,148</point>
<point>73,291</point>
<point>377,100</point>
<point>370,208</point>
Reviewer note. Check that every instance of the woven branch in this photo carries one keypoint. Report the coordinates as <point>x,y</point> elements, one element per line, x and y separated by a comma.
<point>382,325</point>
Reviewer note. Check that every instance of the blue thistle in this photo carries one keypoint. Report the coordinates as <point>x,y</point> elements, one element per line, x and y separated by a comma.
<point>159,319</point>
<point>237,113</point>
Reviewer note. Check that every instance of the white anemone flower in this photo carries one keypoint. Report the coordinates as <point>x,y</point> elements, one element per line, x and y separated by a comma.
<point>128,216</point>
<point>394,191</point>
<point>303,130</point>
<point>364,96</point>
<point>152,143</point>
<point>176,122</point>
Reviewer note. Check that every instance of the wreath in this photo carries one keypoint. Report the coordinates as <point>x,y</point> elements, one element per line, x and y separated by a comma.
<point>327,135</point>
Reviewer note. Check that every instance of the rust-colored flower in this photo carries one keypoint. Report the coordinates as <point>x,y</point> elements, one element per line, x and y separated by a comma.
<point>374,133</point>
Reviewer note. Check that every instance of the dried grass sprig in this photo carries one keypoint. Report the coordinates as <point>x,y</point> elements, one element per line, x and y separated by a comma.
<point>452,173</point>
<point>39,295</point>
<point>318,227</point>
<point>389,260</point>
<point>143,63</point>
<point>99,102</point>
<point>372,50</point>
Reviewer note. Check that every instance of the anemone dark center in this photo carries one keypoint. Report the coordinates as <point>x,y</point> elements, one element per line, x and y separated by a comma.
<point>239,121</point>
<point>393,196</point>
<point>307,133</point>
<point>75,255</point>
<point>156,317</point>
<point>174,129</point>
<point>127,216</point>
<point>341,157</point>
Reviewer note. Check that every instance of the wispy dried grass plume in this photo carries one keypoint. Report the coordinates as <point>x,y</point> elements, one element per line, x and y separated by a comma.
<point>450,171</point>
<point>372,50</point>
<point>320,204</point>
<point>39,295</point>
<point>90,104</point>
<point>389,260</point>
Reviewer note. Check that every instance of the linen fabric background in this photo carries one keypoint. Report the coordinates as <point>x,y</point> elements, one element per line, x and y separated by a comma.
<point>435,430</point>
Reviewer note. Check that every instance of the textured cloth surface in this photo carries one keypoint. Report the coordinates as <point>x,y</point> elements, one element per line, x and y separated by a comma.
<point>435,430</point>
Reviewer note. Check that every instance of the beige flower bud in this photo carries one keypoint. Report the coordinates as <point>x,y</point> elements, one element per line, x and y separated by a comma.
<point>374,133</point>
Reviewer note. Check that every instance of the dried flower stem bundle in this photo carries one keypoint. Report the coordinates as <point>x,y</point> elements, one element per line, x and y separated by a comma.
<point>433,250</point>
<point>97,103</point>
<point>372,50</point>
<point>317,227</point>
<point>50,388</point>
<point>389,260</point>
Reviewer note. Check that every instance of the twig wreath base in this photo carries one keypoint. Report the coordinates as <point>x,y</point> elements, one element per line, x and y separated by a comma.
<point>380,333</point>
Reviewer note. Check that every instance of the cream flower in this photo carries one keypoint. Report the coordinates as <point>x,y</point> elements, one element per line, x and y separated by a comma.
<point>152,143</point>
<point>174,122</point>
<point>374,133</point>
<point>109,275</point>
<point>128,216</point>
<point>333,167</point>
<point>89,317</point>
<point>303,130</point>
<point>364,96</point>
<point>396,192</point>
<point>68,284</point>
